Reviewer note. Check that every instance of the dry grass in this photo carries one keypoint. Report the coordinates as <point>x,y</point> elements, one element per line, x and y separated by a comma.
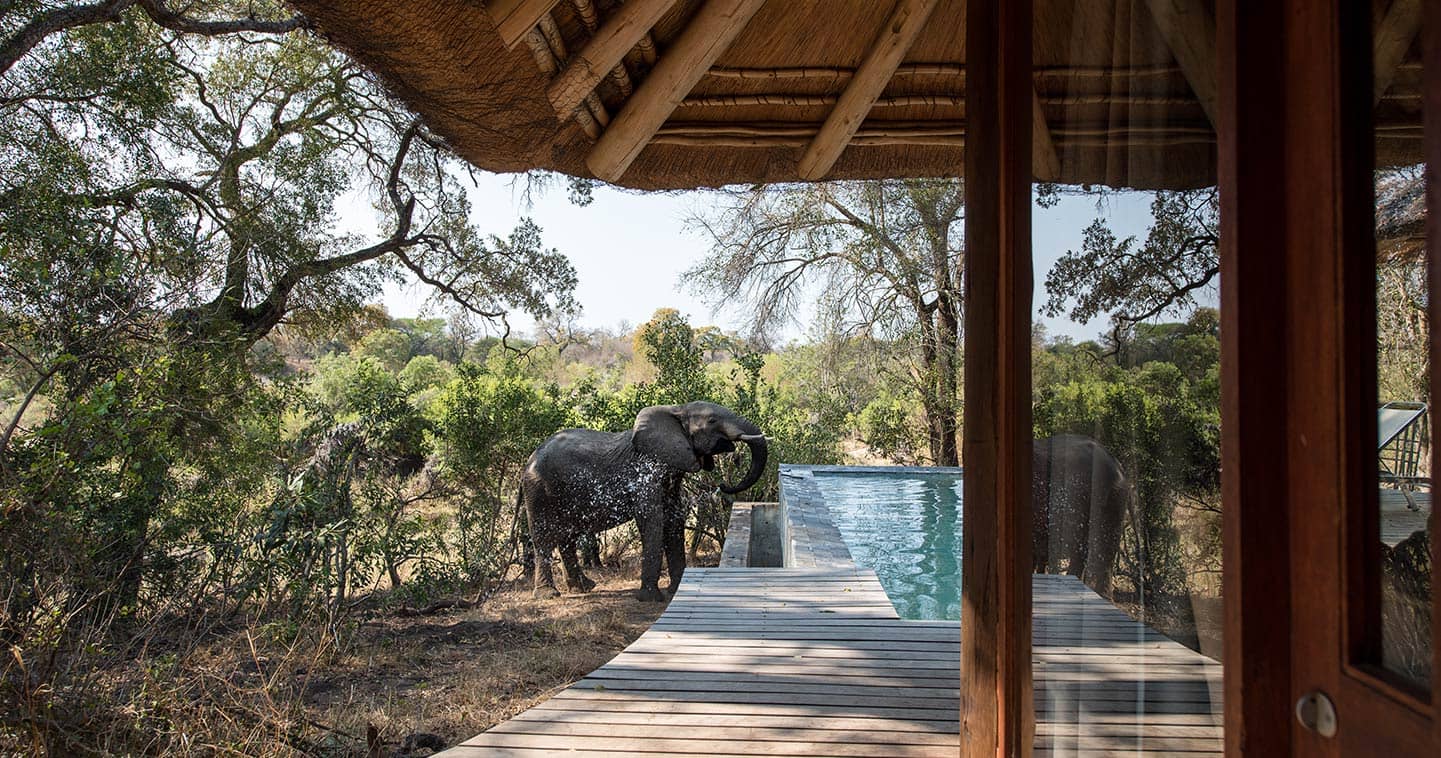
<point>456,675</point>
<point>389,684</point>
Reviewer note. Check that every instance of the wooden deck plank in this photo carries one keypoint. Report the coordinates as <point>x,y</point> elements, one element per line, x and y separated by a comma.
<point>815,662</point>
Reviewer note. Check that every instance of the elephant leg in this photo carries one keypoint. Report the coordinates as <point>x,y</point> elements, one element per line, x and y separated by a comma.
<point>651,536</point>
<point>675,546</point>
<point>575,579</point>
<point>1103,541</point>
<point>544,579</point>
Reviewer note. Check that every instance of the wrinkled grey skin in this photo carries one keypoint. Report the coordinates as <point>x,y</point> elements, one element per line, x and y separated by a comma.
<point>581,481</point>
<point>1081,497</point>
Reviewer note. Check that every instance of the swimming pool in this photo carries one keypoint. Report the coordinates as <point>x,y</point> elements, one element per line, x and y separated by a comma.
<point>904,524</point>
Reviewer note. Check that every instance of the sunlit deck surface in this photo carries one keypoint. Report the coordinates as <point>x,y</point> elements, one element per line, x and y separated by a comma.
<point>749,661</point>
<point>1399,519</point>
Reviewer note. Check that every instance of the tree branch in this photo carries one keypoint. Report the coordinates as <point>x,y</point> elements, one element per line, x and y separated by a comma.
<point>176,22</point>
<point>73,16</point>
<point>55,21</point>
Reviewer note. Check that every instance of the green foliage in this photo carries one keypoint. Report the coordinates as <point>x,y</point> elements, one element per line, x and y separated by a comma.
<point>390,347</point>
<point>1160,419</point>
<point>889,427</point>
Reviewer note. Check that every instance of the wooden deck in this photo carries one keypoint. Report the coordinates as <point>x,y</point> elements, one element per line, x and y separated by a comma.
<point>814,662</point>
<point>1398,520</point>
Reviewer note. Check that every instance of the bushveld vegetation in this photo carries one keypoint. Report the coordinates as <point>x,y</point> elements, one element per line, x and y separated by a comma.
<point>222,471</point>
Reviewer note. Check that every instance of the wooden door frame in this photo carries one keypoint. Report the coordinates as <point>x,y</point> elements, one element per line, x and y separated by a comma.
<point>997,712</point>
<point>1298,375</point>
<point>1255,555</point>
<point>1299,380</point>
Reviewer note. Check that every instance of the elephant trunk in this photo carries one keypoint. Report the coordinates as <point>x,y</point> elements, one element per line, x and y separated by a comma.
<point>751,435</point>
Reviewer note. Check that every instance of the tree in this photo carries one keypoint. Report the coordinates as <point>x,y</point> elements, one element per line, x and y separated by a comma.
<point>169,193</point>
<point>668,343</point>
<point>1139,282</point>
<point>884,256</point>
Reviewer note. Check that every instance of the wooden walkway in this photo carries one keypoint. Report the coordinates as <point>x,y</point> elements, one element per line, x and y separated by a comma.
<point>814,662</point>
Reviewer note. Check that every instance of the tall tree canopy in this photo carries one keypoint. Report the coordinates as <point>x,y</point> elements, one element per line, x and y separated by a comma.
<point>880,259</point>
<point>186,172</point>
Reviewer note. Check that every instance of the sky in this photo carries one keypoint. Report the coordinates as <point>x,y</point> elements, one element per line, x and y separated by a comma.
<point>629,248</point>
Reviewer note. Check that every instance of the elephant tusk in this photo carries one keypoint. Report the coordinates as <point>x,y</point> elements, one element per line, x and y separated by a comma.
<point>752,438</point>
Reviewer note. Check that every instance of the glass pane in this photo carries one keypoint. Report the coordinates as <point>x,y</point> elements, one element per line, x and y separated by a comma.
<point>1402,355</point>
<point>1126,380</point>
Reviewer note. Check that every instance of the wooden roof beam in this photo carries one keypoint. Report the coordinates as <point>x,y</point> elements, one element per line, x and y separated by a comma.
<point>515,18</point>
<point>870,79</point>
<point>1190,31</point>
<point>1045,161</point>
<point>1394,35</point>
<point>705,38</point>
<point>621,32</point>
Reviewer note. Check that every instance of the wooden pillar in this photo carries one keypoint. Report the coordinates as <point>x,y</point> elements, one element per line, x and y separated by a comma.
<point>1251,169</point>
<point>997,713</point>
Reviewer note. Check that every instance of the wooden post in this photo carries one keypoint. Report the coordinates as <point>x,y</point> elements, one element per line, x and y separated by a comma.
<point>997,713</point>
<point>1191,34</point>
<point>1394,35</point>
<point>1251,150</point>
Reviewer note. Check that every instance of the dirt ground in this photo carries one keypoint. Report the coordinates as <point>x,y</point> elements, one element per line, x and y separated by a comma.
<point>452,675</point>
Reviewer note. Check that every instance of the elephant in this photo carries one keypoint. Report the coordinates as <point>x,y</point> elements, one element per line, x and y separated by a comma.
<point>582,481</point>
<point>1080,497</point>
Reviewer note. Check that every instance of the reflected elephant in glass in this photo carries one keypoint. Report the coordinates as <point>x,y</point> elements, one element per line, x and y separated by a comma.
<point>581,481</point>
<point>1081,497</point>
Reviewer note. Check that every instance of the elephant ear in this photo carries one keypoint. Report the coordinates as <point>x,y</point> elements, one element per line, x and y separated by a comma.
<point>659,434</point>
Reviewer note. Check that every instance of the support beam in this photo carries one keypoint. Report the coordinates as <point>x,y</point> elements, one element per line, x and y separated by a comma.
<point>621,32</point>
<point>997,703</point>
<point>709,33</point>
<point>515,18</point>
<point>1190,31</point>
<point>870,80</point>
<point>1394,35</point>
<point>1251,166</point>
<point>1046,162</point>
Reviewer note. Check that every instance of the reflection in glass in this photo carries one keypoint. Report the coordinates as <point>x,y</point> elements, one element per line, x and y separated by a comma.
<point>1126,384</point>
<point>1402,359</point>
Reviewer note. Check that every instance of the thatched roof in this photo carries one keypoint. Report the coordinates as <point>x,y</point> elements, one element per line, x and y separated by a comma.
<point>683,93</point>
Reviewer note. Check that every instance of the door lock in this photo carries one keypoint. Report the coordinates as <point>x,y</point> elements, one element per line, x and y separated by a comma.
<point>1316,712</point>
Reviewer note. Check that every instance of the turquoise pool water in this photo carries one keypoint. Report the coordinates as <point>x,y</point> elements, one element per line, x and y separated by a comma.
<point>907,528</point>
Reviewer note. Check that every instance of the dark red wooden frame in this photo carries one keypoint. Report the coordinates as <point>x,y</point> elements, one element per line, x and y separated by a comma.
<point>1299,383</point>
